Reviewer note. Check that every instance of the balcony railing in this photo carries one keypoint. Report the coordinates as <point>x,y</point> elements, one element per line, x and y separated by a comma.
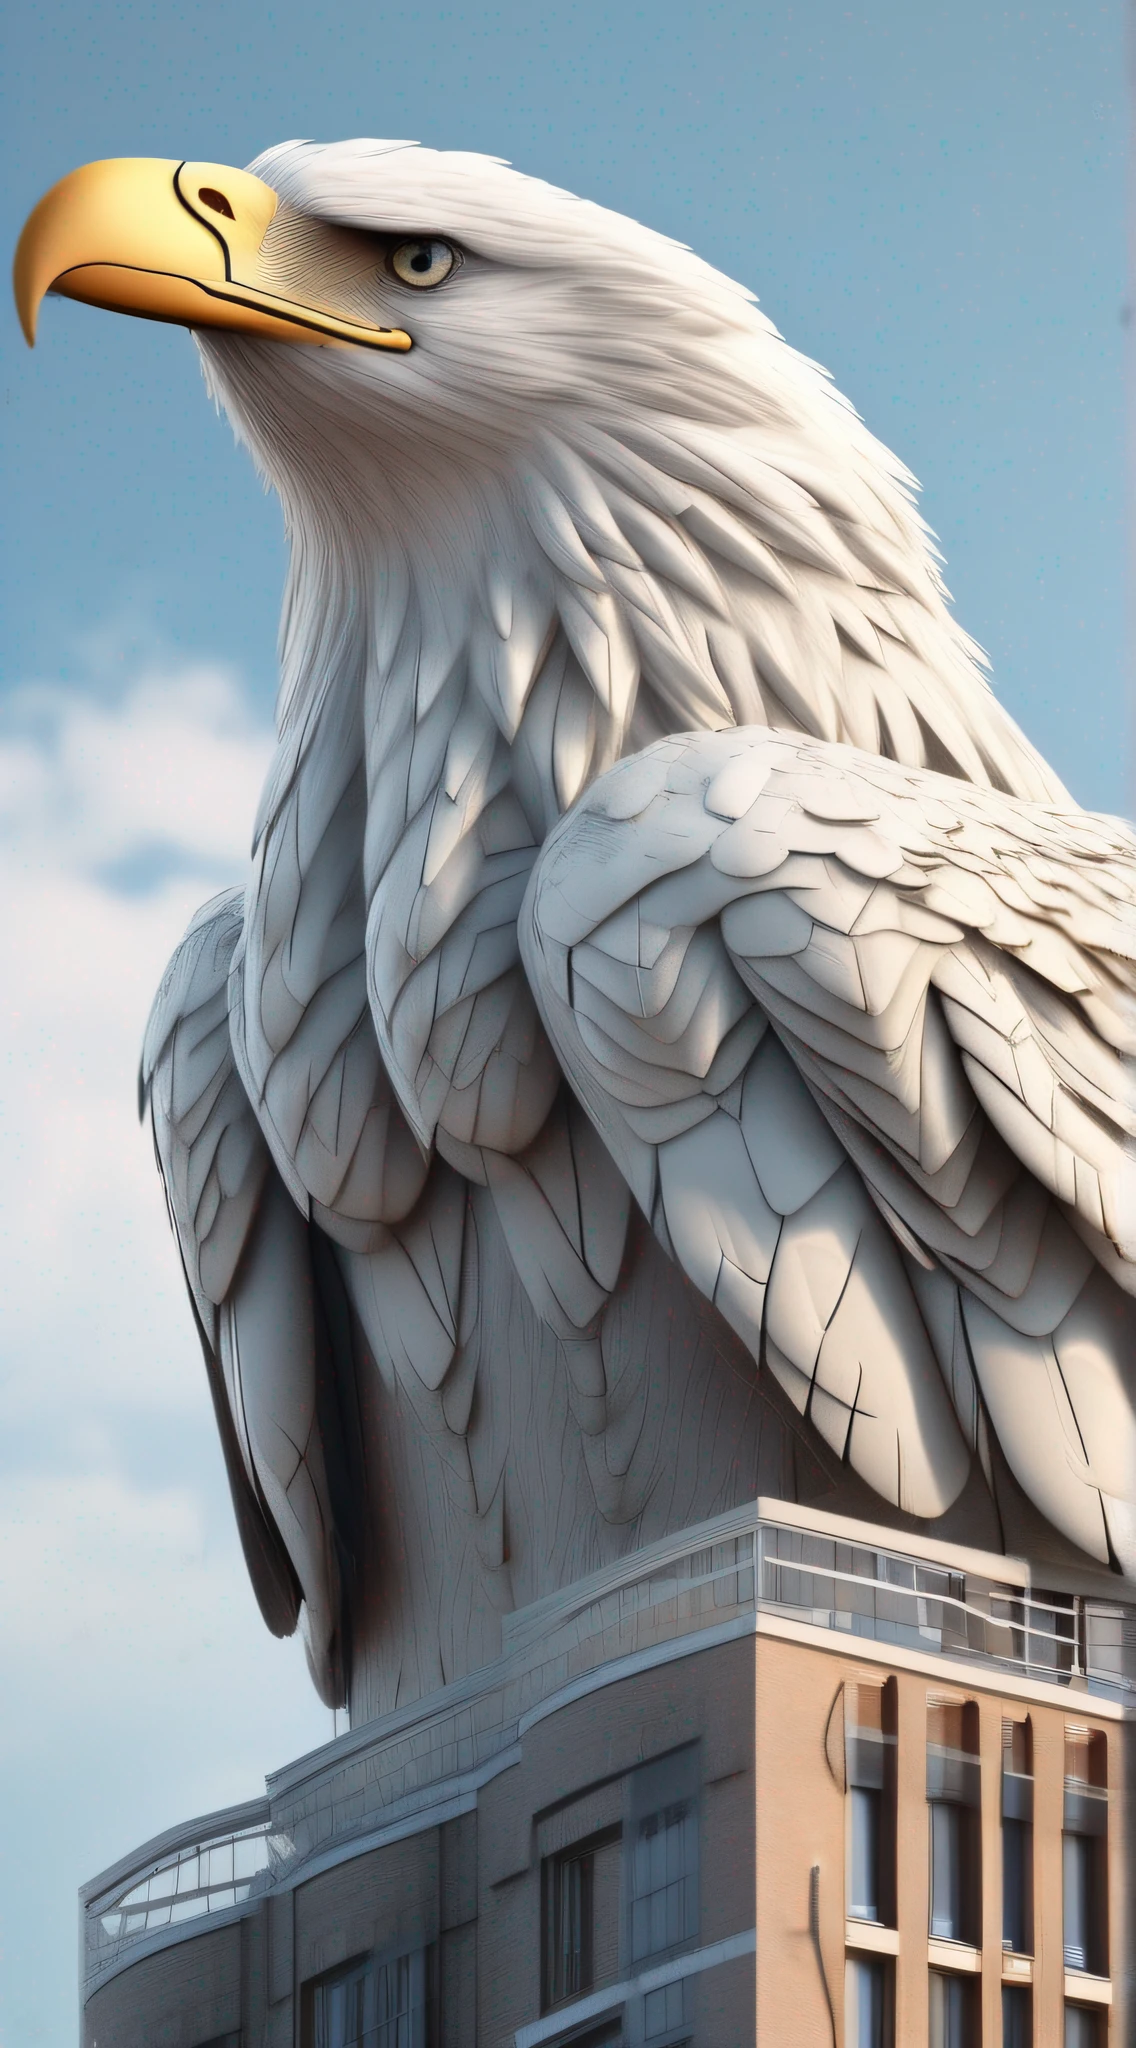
<point>211,1866</point>
<point>890,1598</point>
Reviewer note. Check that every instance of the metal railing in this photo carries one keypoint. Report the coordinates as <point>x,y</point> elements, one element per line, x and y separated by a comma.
<point>210,1867</point>
<point>892,1598</point>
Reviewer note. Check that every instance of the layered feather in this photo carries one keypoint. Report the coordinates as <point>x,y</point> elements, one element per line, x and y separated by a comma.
<point>932,1152</point>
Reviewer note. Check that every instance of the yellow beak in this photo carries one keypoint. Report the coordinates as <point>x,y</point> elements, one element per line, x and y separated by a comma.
<point>170,241</point>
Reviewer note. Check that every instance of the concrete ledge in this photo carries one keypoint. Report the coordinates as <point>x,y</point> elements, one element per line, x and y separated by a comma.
<point>958,1956</point>
<point>867,1937</point>
<point>1081,1989</point>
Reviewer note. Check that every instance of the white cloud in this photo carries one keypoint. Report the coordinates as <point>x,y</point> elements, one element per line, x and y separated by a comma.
<point>139,1595</point>
<point>166,781</point>
<point>139,1685</point>
<point>177,759</point>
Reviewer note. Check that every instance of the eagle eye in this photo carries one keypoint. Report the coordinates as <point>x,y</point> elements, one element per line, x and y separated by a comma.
<point>216,201</point>
<point>422,263</point>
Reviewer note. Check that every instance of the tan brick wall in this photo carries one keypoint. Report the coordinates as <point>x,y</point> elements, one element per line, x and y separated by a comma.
<point>800,1824</point>
<point>798,1818</point>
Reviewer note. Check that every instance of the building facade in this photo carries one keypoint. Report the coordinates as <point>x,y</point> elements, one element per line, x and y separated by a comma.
<point>784,1778</point>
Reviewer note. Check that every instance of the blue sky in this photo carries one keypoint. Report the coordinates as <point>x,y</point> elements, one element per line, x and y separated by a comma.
<point>928,199</point>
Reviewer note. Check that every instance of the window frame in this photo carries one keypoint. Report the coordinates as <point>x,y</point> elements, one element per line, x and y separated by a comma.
<point>417,1955</point>
<point>865,1855</point>
<point>1084,1844</point>
<point>1085,1852</point>
<point>1090,2022</point>
<point>882,1968</point>
<point>954,1795</point>
<point>1021,1997</point>
<point>870,1788</point>
<point>661,1787</point>
<point>969,1990</point>
<point>554,1867</point>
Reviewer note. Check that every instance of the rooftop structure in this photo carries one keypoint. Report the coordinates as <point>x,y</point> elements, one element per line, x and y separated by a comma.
<point>841,1741</point>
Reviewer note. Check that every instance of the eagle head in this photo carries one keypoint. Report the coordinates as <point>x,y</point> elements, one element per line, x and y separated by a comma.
<point>529,410</point>
<point>529,314</point>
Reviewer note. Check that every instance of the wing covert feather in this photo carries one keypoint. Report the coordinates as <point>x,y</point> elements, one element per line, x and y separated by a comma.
<point>951,979</point>
<point>213,1158</point>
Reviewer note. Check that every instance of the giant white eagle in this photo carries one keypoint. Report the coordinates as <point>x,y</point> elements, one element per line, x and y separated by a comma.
<point>642,836</point>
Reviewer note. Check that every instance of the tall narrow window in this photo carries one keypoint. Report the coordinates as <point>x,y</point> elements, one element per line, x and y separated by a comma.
<point>868,2002</point>
<point>663,1869</point>
<point>864,1852</point>
<point>1017,1837</point>
<point>947,1855</point>
<point>1079,1874</point>
<point>869,1754</point>
<point>1017,2016</point>
<point>953,1800</point>
<point>1083,2027</point>
<point>952,2003</point>
<point>569,1916</point>
<point>373,2004</point>
<point>662,1856</point>
<point>1085,1851</point>
<point>569,1922</point>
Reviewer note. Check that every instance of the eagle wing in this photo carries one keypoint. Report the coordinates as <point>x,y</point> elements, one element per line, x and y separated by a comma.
<point>862,1039</point>
<point>249,1267</point>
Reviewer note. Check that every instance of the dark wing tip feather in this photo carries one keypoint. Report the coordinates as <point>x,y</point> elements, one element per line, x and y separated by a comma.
<point>274,1581</point>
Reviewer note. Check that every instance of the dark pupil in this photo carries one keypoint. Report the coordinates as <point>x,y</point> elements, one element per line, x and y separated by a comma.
<point>424,260</point>
<point>216,201</point>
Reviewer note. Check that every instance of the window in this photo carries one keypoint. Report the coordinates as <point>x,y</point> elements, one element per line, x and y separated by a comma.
<point>662,1856</point>
<point>373,2004</point>
<point>1084,1851</point>
<point>868,2002</point>
<point>869,1758</point>
<point>1017,2016</point>
<point>664,2014</point>
<point>952,2003</point>
<point>864,1853</point>
<point>1078,1874</point>
<point>1016,1859</point>
<point>953,1796</point>
<point>569,1927</point>
<point>569,1916</point>
<point>1082,2027</point>
<point>664,1864</point>
<point>948,1855</point>
<point>1017,1837</point>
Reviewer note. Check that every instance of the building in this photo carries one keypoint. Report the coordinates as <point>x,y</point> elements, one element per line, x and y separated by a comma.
<point>785,1777</point>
